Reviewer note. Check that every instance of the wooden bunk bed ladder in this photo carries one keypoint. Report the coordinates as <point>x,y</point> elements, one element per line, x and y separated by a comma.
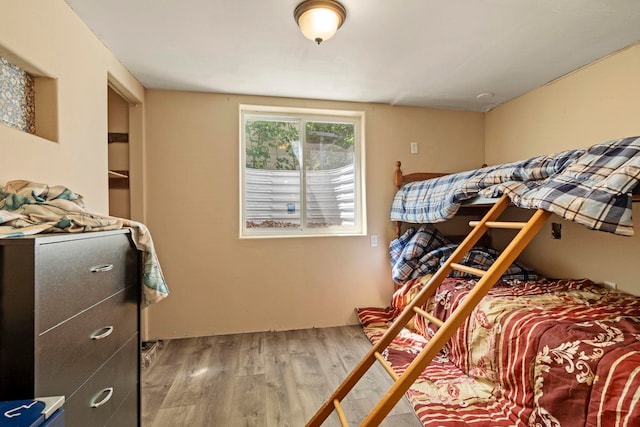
<point>447,328</point>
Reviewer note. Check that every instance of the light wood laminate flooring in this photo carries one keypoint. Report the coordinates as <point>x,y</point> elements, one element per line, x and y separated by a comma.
<point>264,379</point>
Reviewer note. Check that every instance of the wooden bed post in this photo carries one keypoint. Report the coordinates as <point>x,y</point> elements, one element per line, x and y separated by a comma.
<point>398,181</point>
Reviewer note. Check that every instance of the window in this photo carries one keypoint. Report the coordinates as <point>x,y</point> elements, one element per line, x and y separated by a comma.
<point>301,172</point>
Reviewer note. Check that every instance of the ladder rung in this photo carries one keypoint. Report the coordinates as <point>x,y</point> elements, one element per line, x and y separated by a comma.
<point>340,412</point>
<point>428,316</point>
<point>501,224</point>
<point>386,366</point>
<point>470,270</point>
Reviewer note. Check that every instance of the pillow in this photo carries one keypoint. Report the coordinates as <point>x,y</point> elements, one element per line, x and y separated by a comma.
<point>397,245</point>
<point>426,239</point>
<point>406,252</point>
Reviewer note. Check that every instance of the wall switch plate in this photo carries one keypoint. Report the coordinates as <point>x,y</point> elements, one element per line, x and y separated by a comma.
<point>374,240</point>
<point>414,148</point>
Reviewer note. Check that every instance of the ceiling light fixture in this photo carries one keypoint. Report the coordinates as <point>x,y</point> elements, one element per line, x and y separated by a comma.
<point>485,95</point>
<point>319,19</point>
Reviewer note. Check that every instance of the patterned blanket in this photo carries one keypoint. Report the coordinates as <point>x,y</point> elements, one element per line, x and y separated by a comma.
<point>591,187</point>
<point>28,208</point>
<point>561,353</point>
<point>425,250</point>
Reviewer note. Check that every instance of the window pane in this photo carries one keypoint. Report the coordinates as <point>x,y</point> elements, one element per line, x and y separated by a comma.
<point>301,172</point>
<point>330,174</point>
<point>272,174</point>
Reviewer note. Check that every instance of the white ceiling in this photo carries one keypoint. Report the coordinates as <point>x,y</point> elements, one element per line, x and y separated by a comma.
<point>433,53</point>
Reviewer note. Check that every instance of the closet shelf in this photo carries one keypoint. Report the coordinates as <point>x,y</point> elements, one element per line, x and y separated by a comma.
<point>118,179</point>
<point>117,137</point>
<point>118,174</point>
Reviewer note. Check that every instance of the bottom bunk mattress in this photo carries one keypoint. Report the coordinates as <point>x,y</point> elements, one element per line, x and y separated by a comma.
<point>547,353</point>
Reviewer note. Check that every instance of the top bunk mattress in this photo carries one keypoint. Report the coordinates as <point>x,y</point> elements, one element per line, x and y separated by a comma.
<point>592,187</point>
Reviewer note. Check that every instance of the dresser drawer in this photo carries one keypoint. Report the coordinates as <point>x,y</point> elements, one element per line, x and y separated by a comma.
<point>127,415</point>
<point>120,375</point>
<point>67,354</point>
<point>76,274</point>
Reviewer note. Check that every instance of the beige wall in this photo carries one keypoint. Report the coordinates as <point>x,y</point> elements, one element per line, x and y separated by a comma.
<point>47,37</point>
<point>221,284</point>
<point>594,104</point>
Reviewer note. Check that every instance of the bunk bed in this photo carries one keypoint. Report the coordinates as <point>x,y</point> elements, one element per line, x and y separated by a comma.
<point>475,338</point>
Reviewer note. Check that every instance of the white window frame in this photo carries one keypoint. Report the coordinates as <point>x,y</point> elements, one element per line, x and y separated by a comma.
<point>358,120</point>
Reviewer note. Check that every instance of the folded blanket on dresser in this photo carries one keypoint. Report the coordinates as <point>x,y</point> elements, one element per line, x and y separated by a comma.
<point>548,353</point>
<point>28,208</point>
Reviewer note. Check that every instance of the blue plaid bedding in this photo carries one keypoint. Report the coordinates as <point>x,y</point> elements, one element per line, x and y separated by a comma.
<point>589,186</point>
<point>425,250</point>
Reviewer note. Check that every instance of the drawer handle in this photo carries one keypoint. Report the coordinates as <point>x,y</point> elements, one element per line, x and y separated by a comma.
<point>109,395</point>
<point>102,333</point>
<point>101,268</point>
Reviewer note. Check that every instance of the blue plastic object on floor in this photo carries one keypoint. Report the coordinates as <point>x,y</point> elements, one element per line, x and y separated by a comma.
<point>46,412</point>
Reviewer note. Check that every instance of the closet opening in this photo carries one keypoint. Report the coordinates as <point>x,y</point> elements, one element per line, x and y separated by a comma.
<point>118,155</point>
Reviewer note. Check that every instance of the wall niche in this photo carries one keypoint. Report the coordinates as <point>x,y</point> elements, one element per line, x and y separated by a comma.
<point>28,98</point>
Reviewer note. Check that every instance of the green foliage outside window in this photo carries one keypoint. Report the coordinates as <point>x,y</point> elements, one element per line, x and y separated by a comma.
<point>274,144</point>
<point>269,145</point>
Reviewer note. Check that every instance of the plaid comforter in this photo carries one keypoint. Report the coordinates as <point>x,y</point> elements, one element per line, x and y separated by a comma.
<point>591,187</point>
<point>28,208</point>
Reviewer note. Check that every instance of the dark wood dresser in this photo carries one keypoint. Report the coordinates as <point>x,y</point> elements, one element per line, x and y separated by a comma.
<point>69,324</point>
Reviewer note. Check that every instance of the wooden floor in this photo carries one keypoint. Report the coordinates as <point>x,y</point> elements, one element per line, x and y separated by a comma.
<point>266,379</point>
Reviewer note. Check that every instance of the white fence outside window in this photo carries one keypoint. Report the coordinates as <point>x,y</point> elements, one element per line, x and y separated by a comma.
<point>274,195</point>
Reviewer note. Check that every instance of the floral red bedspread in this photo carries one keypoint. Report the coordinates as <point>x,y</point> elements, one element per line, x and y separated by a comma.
<point>557,353</point>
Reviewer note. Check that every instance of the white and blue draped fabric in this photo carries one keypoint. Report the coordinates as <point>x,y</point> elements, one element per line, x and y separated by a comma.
<point>28,208</point>
<point>589,186</point>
